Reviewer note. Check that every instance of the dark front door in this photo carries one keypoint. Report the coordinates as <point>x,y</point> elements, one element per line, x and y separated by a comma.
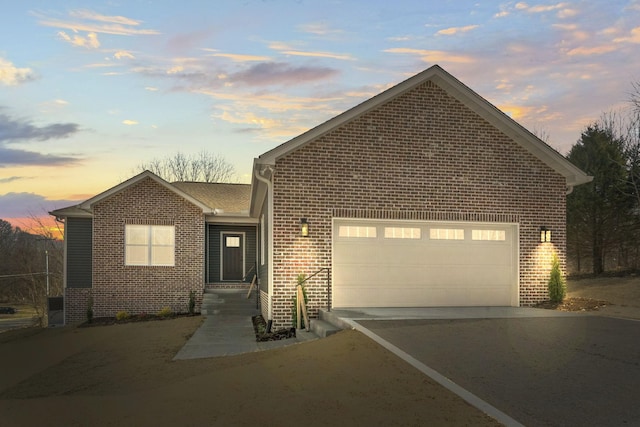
<point>232,256</point>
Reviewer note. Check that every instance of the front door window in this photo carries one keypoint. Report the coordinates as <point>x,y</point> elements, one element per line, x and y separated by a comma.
<point>232,256</point>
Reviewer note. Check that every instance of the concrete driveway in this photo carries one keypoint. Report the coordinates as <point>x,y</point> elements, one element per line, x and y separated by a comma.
<point>564,370</point>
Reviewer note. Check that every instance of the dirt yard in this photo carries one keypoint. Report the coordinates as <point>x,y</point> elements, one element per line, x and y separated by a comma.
<point>620,295</point>
<point>124,375</point>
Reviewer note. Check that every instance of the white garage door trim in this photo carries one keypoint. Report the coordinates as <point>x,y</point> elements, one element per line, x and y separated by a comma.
<point>398,263</point>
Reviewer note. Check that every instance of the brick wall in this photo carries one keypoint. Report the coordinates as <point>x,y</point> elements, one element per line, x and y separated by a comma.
<point>76,302</point>
<point>143,289</point>
<point>423,153</point>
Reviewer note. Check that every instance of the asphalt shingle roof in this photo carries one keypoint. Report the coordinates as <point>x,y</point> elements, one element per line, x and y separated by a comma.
<point>225,198</point>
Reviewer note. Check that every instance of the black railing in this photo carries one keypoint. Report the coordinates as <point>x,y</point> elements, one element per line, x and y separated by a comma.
<point>328,270</point>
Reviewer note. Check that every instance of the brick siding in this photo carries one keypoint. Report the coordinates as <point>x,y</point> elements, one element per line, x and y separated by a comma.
<point>423,153</point>
<point>143,289</point>
<point>76,302</point>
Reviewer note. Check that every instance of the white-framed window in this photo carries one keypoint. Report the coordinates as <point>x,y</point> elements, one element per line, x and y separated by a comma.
<point>446,233</point>
<point>492,235</point>
<point>357,231</point>
<point>402,233</point>
<point>150,245</point>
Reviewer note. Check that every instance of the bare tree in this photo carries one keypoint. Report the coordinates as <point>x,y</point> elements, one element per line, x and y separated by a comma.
<point>201,167</point>
<point>542,133</point>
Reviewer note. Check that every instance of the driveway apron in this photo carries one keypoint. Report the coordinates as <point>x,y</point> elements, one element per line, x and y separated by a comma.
<point>542,371</point>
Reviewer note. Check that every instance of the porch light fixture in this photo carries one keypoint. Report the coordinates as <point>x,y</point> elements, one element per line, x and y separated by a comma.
<point>304,227</point>
<point>545,235</point>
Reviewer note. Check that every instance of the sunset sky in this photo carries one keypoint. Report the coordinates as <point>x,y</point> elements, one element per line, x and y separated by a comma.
<point>91,89</point>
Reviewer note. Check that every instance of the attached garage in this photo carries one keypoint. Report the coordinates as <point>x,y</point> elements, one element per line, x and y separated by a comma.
<point>424,264</point>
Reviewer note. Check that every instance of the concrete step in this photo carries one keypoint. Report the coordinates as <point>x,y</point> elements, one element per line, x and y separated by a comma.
<point>322,328</point>
<point>333,319</point>
<point>228,302</point>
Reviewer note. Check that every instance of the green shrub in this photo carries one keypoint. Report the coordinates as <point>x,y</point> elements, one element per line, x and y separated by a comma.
<point>557,285</point>
<point>192,302</point>
<point>165,312</point>
<point>122,315</point>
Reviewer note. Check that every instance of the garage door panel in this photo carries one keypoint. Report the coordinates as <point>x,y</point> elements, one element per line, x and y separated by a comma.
<point>406,272</point>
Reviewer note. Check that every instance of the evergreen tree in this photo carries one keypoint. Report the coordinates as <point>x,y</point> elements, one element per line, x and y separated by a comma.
<point>600,212</point>
<point>557,285</point>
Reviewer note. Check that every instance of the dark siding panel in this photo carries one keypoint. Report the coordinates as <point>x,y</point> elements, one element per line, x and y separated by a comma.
<point>213,250</point>
<point>79,252</point>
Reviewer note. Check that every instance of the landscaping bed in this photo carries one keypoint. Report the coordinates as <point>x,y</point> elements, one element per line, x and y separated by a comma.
<point>574,304</point>
<point>260,328</point>
<point>105,321</point>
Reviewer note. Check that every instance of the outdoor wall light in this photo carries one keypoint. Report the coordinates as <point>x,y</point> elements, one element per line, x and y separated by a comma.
<point>304,227</point>
<point>545,235</point>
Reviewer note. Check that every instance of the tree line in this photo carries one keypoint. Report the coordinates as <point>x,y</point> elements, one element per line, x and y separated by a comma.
<point>603,216</point>
<point>23,266</point>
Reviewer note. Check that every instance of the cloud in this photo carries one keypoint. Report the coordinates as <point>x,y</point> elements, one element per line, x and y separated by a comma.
<point>151,89</point>
<point>21,205</point>
<point>9,179</point>
<point>129,122</point>
<point>590,51</point>
<point>341,56</point>
<point>433,56</point>
<point>634,37</point>
<point>286,49</point>
<point>16,130</point>
<point>92,22</point>
<point>279,73</point>
<point>10,75</point>
<point>456,30</point>
<point>564,11</point>
<point>236,57</point>
<point>12,130</point>
<point>123,54</point>
<point>90,42</point>
<point>319,29</point>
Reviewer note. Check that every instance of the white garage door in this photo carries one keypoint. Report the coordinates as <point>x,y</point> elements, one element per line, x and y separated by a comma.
<point>424,264</point>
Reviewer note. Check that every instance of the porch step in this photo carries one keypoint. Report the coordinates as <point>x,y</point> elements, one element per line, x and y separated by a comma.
<point>228,302</point>
<point>322,328</point>
<point>331,318</point>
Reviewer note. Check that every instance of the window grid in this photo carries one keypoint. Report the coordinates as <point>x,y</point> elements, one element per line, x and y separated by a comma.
<point>491,235</point>
<point>357,231</point>
<point>149,245</point>
<point>402,233</point>
<point>446,233</point>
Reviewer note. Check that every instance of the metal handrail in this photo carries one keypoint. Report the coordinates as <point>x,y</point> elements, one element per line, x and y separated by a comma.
<point>328,269</point>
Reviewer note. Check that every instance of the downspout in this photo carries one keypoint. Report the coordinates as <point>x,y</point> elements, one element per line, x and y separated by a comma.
<point>269,253</point>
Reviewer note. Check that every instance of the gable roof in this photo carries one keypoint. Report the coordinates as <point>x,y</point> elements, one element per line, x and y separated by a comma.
<point>482,107</point>
<point>88,204</point>
<point>213,198</point>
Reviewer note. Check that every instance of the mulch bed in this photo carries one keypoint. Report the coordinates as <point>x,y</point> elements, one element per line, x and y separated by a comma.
<point>260,328</point>
<point>574,304</point>
<point>133,318</point>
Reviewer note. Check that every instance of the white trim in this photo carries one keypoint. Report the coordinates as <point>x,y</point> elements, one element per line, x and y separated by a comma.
<point>244,253</point>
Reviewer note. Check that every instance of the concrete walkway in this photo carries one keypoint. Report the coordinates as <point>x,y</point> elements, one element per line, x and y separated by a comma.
<point>227,328</point>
